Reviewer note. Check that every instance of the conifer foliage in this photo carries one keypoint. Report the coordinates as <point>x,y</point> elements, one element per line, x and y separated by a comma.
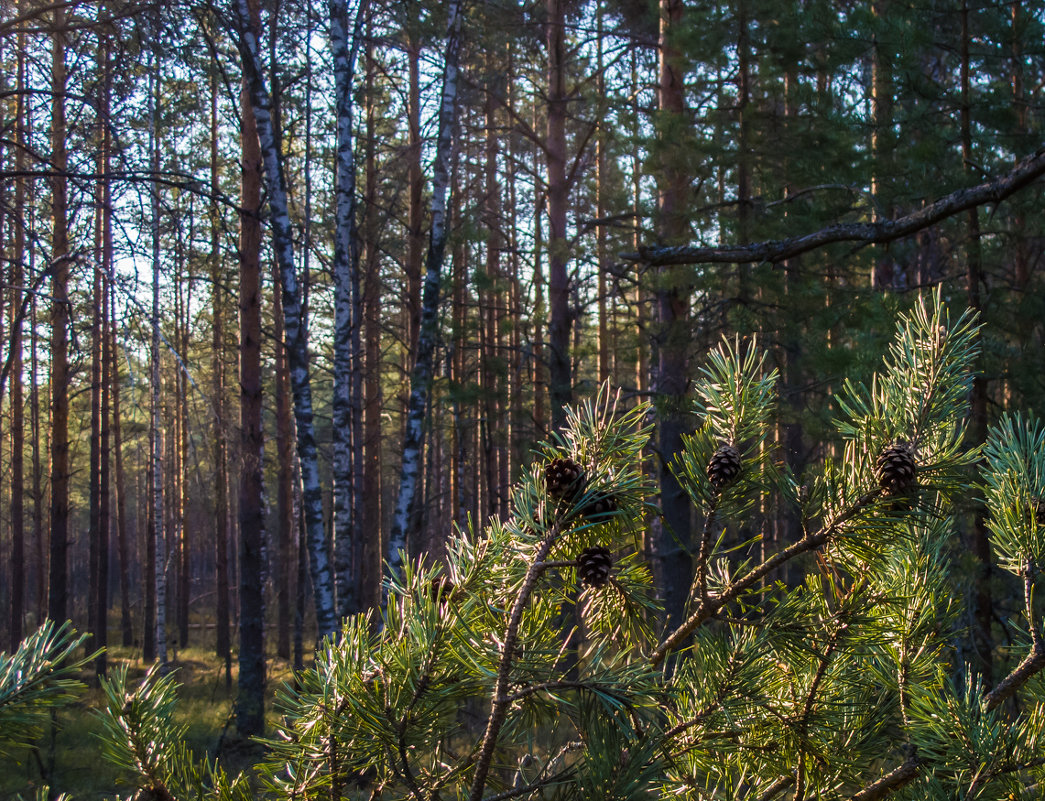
<point>840,678</point>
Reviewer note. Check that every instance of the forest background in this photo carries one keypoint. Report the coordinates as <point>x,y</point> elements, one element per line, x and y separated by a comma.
<point>288,287</point>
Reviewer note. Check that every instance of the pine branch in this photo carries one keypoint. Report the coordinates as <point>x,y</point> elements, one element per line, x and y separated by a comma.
<point>890,782</point>
<point>501,700</point>
<point>1022,175</point>
<point>735,588</point>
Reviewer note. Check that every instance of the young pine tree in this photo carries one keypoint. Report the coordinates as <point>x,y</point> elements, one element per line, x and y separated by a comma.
<point>842,677</point>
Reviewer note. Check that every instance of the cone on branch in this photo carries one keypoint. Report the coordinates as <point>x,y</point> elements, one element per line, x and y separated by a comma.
<point>563,478</point>
<point>724,466</point>
<point>1038,510</point>
<point>594,566</point>
<point>896,469</point>
<point>600,505</point>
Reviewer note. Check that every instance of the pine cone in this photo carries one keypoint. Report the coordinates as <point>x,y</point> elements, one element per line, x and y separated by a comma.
<point>724,466</point>
<point>562,478</point>
<point>594,565</point>
<point>1038,507</point>
<point>599,506</point>
<point>896,469</point>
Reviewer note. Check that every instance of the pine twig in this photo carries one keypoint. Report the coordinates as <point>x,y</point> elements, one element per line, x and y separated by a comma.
<point>903,775</point>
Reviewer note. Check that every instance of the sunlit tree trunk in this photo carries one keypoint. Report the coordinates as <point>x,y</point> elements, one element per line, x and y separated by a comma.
<point>283,565</point>
<point>296,333</point>
<point>156,623</point>
<point>250,717</point>
<point>372,485</point>
<point>120,488</point>
<point>344,44</point>
<point>421,376</point>
<point>220,452</point>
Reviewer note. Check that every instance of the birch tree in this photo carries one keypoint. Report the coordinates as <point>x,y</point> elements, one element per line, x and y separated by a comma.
<point>421,376</point>
<point>347,312</point>
<point>296,333</point>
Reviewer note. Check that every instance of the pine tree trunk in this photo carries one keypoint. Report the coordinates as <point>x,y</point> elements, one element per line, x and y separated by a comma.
<point>105,479</point>
<point>126,628</point>
<point>415,186</point>
<point>157,635</point>
<point>977,433</point>
<point>559,321</point>
<point>297,339</point>
<point>283,566</point>
<point>250,717</point>
<point>421,376</point>
<point>221,476</point>
<point>58,596</point>
<point>671,559</point>
<point>18,571</point>
<point>371,519</point>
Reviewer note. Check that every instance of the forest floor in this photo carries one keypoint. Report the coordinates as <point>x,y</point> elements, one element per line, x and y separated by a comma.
<point>71,755</point>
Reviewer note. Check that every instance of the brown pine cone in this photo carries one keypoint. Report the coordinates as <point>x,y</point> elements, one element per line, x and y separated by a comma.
<point>896,469</point>
<point>562,478</point>
<point>724,466</point>
<point>594,566</point>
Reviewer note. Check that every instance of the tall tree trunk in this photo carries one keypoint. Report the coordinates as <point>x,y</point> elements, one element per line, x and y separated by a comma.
<point>58,596</point>
<point>884,269</point>
<point>283,566</point>
<point>297,338</point>
<point>126,629</point>
<point>977,433</point>
<point>421,376</point>
<point>490,365</point>
<point>346,309</point>
<point>250,699</point>
<point>601,265</point>
<point>415,186</point>
<point>221,475</point>
<point>372,484</point>
<point>156,637</point>
<point>559,321</point>
<point>183,535</point>
<point>18,571</point>
<point>105,482</point>
<point>671,541</point>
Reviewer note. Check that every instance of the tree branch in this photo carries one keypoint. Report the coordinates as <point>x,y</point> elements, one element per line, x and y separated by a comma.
<point>894,780</point>
<point>1022,175</point>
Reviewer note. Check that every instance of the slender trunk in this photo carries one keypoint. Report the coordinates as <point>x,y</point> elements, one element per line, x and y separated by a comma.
<point>95,486</point>
<point>421,376</point>
<point>346,309</point>
<point>221,476</point>
<point>18,571</point>
<point>602,294</point>
<point>58,597</point>
<point>250,717</point>
<point>105,479</point>
<point>884,269</point>
<point>157,636</point>
<point>297,338</point>
<point>415,187</point>
<point>283,565</point>
<point>671,556</point>
<point>490,364</point>
<point>977,433</point>
<point>559,321</point>
<point>126,629</point>
<point>371,517</point>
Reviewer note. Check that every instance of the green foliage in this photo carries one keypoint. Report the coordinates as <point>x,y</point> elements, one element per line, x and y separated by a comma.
<point>38,677</point>
<point>496,674</point>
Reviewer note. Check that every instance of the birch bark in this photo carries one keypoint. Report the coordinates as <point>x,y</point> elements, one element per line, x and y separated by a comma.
<point>297,337</point>
<point>347,307</point>
<point>421,376</point>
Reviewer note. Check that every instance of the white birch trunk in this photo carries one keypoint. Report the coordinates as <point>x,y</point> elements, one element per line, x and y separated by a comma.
<point>346,308</point>
<point>421,377</point>
<point>297,337</point>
